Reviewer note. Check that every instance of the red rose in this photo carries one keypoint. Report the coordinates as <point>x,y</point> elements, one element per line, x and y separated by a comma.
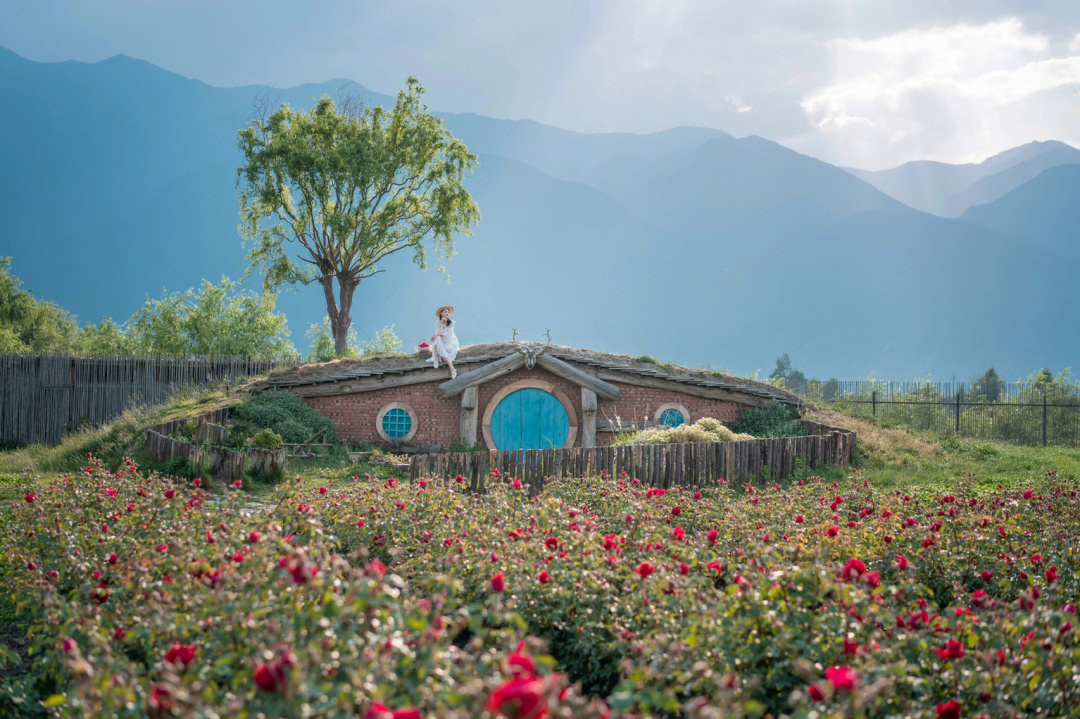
<point>987,576</point>
<point>645,569</point>
<point>684,569</point>
<point>953,650</point>
<point>676,511</point>
<point>113,559</point>
<point>679,534</point>
<point>832,531</point>
<point>543,577</point>
<point>498,583</point>
<point>843,678</point>
<point>713,535</point>
<point>816,693</point>
<point>520,662</point>
<point>160,701</point>
<point>519,698</point>
<point>180,654</point>
<point>949,710</point>
<point>254,536</point>
<point>551,543</point>
<point>901,562</point>
<point>30,497</point>
<point>170,493</point>
<point>853,569</point>
<point>1028,494</point>
<point>799,519</point>
<point>381,711</point>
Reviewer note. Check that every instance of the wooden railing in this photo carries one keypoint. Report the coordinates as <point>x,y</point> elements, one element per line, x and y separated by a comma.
<point>660,465</point>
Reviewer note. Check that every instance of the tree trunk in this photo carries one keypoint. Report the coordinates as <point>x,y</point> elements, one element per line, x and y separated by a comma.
<point>339,311</point>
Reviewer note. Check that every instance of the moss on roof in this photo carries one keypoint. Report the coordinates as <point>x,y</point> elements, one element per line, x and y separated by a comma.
<point>348,368</point>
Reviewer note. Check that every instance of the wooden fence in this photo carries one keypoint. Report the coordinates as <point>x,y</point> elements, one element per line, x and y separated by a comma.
<point>43,397</point>
<point>218,462</point>
<point>665,465</point>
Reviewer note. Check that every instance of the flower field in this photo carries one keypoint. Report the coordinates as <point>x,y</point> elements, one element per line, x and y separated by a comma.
<point>142,596</point>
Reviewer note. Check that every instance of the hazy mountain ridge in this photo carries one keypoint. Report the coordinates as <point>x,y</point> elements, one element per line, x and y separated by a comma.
<point>690,245</point>
<point>949,190</point>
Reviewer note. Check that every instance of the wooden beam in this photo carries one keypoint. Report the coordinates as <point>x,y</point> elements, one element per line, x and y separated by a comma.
<point>579,377</point>
<point>367,384</point>
<point>469,403</point>
<point>588,417</point>
<point>716,393</point>
<point>483,374</point>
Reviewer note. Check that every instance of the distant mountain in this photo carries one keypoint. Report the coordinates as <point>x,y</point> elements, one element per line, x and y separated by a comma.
<point>948,190</point>
<point>118,179</point>
<point>1043,212</point>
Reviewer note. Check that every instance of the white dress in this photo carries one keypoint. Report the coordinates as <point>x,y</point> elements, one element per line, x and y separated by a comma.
<point>446,342</point>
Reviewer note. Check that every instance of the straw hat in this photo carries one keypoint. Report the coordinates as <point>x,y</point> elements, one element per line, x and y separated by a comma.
<point>444,307</point>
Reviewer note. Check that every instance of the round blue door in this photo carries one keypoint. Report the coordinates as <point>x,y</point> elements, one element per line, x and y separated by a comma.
<point>529,418</point>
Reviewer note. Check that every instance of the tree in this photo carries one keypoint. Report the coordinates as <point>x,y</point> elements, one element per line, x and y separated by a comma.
<point>322,343</point>
<point>106,338</point>
<point>211,321</point>
<point>783,371</point>
<point>28,324</point>
<point>988,387</point>
<point>346,190</point>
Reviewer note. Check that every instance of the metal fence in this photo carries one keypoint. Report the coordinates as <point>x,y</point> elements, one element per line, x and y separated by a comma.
<point>45,396</point>
<point>1031,413</point>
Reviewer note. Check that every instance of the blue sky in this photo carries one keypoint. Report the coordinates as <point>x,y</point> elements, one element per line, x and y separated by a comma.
<point>865,84</point>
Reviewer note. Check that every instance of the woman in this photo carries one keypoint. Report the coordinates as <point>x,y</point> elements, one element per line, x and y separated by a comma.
<point>444,343</point>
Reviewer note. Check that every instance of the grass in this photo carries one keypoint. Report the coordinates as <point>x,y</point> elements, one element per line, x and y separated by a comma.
<point>895,457</point>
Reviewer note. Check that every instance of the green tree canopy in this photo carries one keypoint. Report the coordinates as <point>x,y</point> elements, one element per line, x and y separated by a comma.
<point>988,387</point>
<point>328,194</point>
<point>211,321</point>
<point>28,324</point>
<point>783,371</point>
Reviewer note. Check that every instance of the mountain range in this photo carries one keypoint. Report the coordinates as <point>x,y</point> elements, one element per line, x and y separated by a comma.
<point>118,180</point>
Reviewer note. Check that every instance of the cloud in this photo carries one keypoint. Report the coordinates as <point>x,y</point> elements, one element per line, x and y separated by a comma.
<point>1075,44</point>
<point>950,92</point>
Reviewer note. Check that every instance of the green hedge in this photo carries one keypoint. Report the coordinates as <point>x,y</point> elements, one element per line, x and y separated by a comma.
<point>281,412</point>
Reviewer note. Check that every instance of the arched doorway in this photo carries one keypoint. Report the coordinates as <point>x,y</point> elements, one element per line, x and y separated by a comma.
<point>531,414</point>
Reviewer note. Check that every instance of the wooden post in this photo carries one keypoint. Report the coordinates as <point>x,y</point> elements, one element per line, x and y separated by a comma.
<point>588,417</point>
<point>469,404</point>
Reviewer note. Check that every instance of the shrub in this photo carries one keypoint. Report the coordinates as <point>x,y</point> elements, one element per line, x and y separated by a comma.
<point>822,598</point>
<point>705,429</point>
<point>283,412</point>
<point>776,419</point>
<point>266,439</point>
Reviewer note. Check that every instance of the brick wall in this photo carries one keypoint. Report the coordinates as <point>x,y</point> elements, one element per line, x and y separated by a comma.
<point>438,419</point>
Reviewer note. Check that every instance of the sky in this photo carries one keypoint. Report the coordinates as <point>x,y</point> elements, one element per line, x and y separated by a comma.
<point>859,84</point>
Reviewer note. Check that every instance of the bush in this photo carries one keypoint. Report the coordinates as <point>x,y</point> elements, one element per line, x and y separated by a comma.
<point>283,412</point>
<point>822,598</point>
<point>705,429</point>
<point>776,419</point>
<point>266,439</point>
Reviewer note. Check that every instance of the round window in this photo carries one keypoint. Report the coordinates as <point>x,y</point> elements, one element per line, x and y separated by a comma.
<point>396,422</point>
<point>671,418</point>
<point>671,414</point>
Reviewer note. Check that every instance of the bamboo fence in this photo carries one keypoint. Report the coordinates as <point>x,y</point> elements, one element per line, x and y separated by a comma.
<point>666,465</point>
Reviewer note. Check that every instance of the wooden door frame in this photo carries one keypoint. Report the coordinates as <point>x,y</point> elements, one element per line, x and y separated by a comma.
<point>571,413</point>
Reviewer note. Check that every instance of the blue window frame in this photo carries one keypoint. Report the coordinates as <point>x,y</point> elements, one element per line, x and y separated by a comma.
<point>396,423</point>
<point>672,417</point>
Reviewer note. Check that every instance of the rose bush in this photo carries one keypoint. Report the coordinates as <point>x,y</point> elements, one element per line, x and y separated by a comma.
<point>141,598</point>
<point>384,598</point>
